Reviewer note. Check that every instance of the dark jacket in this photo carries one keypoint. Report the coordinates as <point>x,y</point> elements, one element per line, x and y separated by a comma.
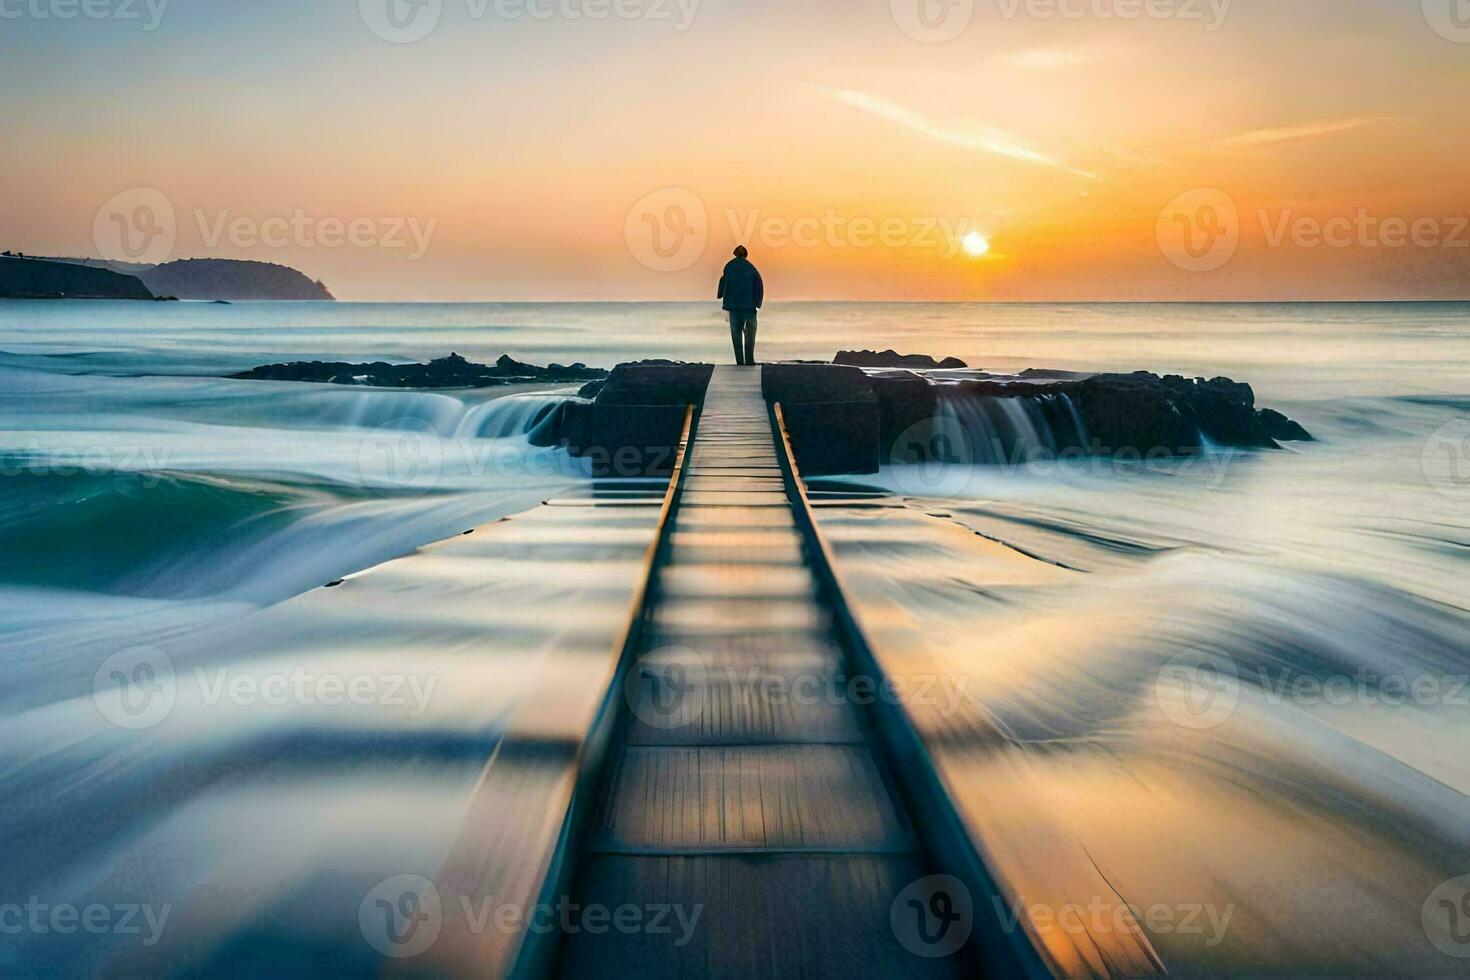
<point>741,287</point>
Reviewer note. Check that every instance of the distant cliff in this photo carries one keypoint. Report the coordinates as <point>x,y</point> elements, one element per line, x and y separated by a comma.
<point>209,279</point>
<point>34,279</point>
<point>232,279</point>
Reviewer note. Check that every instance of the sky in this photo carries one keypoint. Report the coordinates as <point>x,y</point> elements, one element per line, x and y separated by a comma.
<point>1007,150</point>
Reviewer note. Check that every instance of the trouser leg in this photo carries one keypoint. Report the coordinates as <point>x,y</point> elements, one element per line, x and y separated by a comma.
<point>736,337</point>
<point>750,326</point>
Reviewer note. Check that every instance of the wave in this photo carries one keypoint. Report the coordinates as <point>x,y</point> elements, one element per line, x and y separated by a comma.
<point>986,430</point>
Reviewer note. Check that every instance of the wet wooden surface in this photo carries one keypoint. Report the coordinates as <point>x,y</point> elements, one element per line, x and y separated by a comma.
<point>744,784</point>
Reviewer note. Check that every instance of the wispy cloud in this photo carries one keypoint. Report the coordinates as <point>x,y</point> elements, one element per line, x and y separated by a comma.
<point>1288,134</point>
<point>983,139</point>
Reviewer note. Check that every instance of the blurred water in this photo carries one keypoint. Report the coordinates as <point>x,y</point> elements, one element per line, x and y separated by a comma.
<point>144,503</point>
<point>1232,690</point>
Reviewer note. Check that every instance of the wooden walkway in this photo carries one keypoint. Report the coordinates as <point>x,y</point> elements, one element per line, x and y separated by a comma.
<point>742,785</point>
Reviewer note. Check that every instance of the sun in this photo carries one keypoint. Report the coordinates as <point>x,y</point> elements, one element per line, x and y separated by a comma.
<point>975,244</point>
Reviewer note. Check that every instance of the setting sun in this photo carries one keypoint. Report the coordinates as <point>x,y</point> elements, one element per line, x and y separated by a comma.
<point>975,244</point>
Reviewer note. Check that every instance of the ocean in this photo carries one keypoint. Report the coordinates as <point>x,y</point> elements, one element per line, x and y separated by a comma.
<point>146,497</point>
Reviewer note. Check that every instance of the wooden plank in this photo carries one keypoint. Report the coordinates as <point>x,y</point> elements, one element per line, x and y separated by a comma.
<point>759,917</point>
<point>770,797</point>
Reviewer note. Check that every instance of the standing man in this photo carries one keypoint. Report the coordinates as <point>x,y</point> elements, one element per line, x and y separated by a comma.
<point>743,292</point>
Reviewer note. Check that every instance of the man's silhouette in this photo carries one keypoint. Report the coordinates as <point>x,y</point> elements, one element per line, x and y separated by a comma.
<point>743,292</point>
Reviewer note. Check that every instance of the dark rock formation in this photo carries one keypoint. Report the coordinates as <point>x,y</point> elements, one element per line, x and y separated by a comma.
<point>1283,429</point>
<point>214,279</point>
<point>893,359</point>
<point>846,421</point>
<point>832,413</point>
<point>630,424</point>
<point>446,372</point>
<point>22,278</point>
<point>232,279</point>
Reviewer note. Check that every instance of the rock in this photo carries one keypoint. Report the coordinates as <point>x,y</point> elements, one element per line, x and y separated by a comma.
<point>237,279</point>
<point>633,424</point>
<point>832,414</point>
<point>453,371</point>
<point>22,278</point>
<point>893,359</point>
<point>1139,413</point>
<point>1282,428</point>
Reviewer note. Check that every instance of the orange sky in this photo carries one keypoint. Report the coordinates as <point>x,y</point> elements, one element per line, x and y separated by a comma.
<point>536,156</point>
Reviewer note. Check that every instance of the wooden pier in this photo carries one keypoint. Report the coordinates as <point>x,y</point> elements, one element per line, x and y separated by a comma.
<point>742,778</point>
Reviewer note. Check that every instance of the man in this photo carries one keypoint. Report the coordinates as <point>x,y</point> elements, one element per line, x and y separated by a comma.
<point>743,292</point>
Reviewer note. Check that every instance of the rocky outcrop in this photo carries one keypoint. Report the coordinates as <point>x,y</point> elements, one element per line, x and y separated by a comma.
<point>629,424</point>
<point>848,421</point>
<point>893,359</point>
<point>232,279</point>
<point>1283,429</point>
<point>446,372</point>
<point>833,415</point>
<point>23,278</point>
